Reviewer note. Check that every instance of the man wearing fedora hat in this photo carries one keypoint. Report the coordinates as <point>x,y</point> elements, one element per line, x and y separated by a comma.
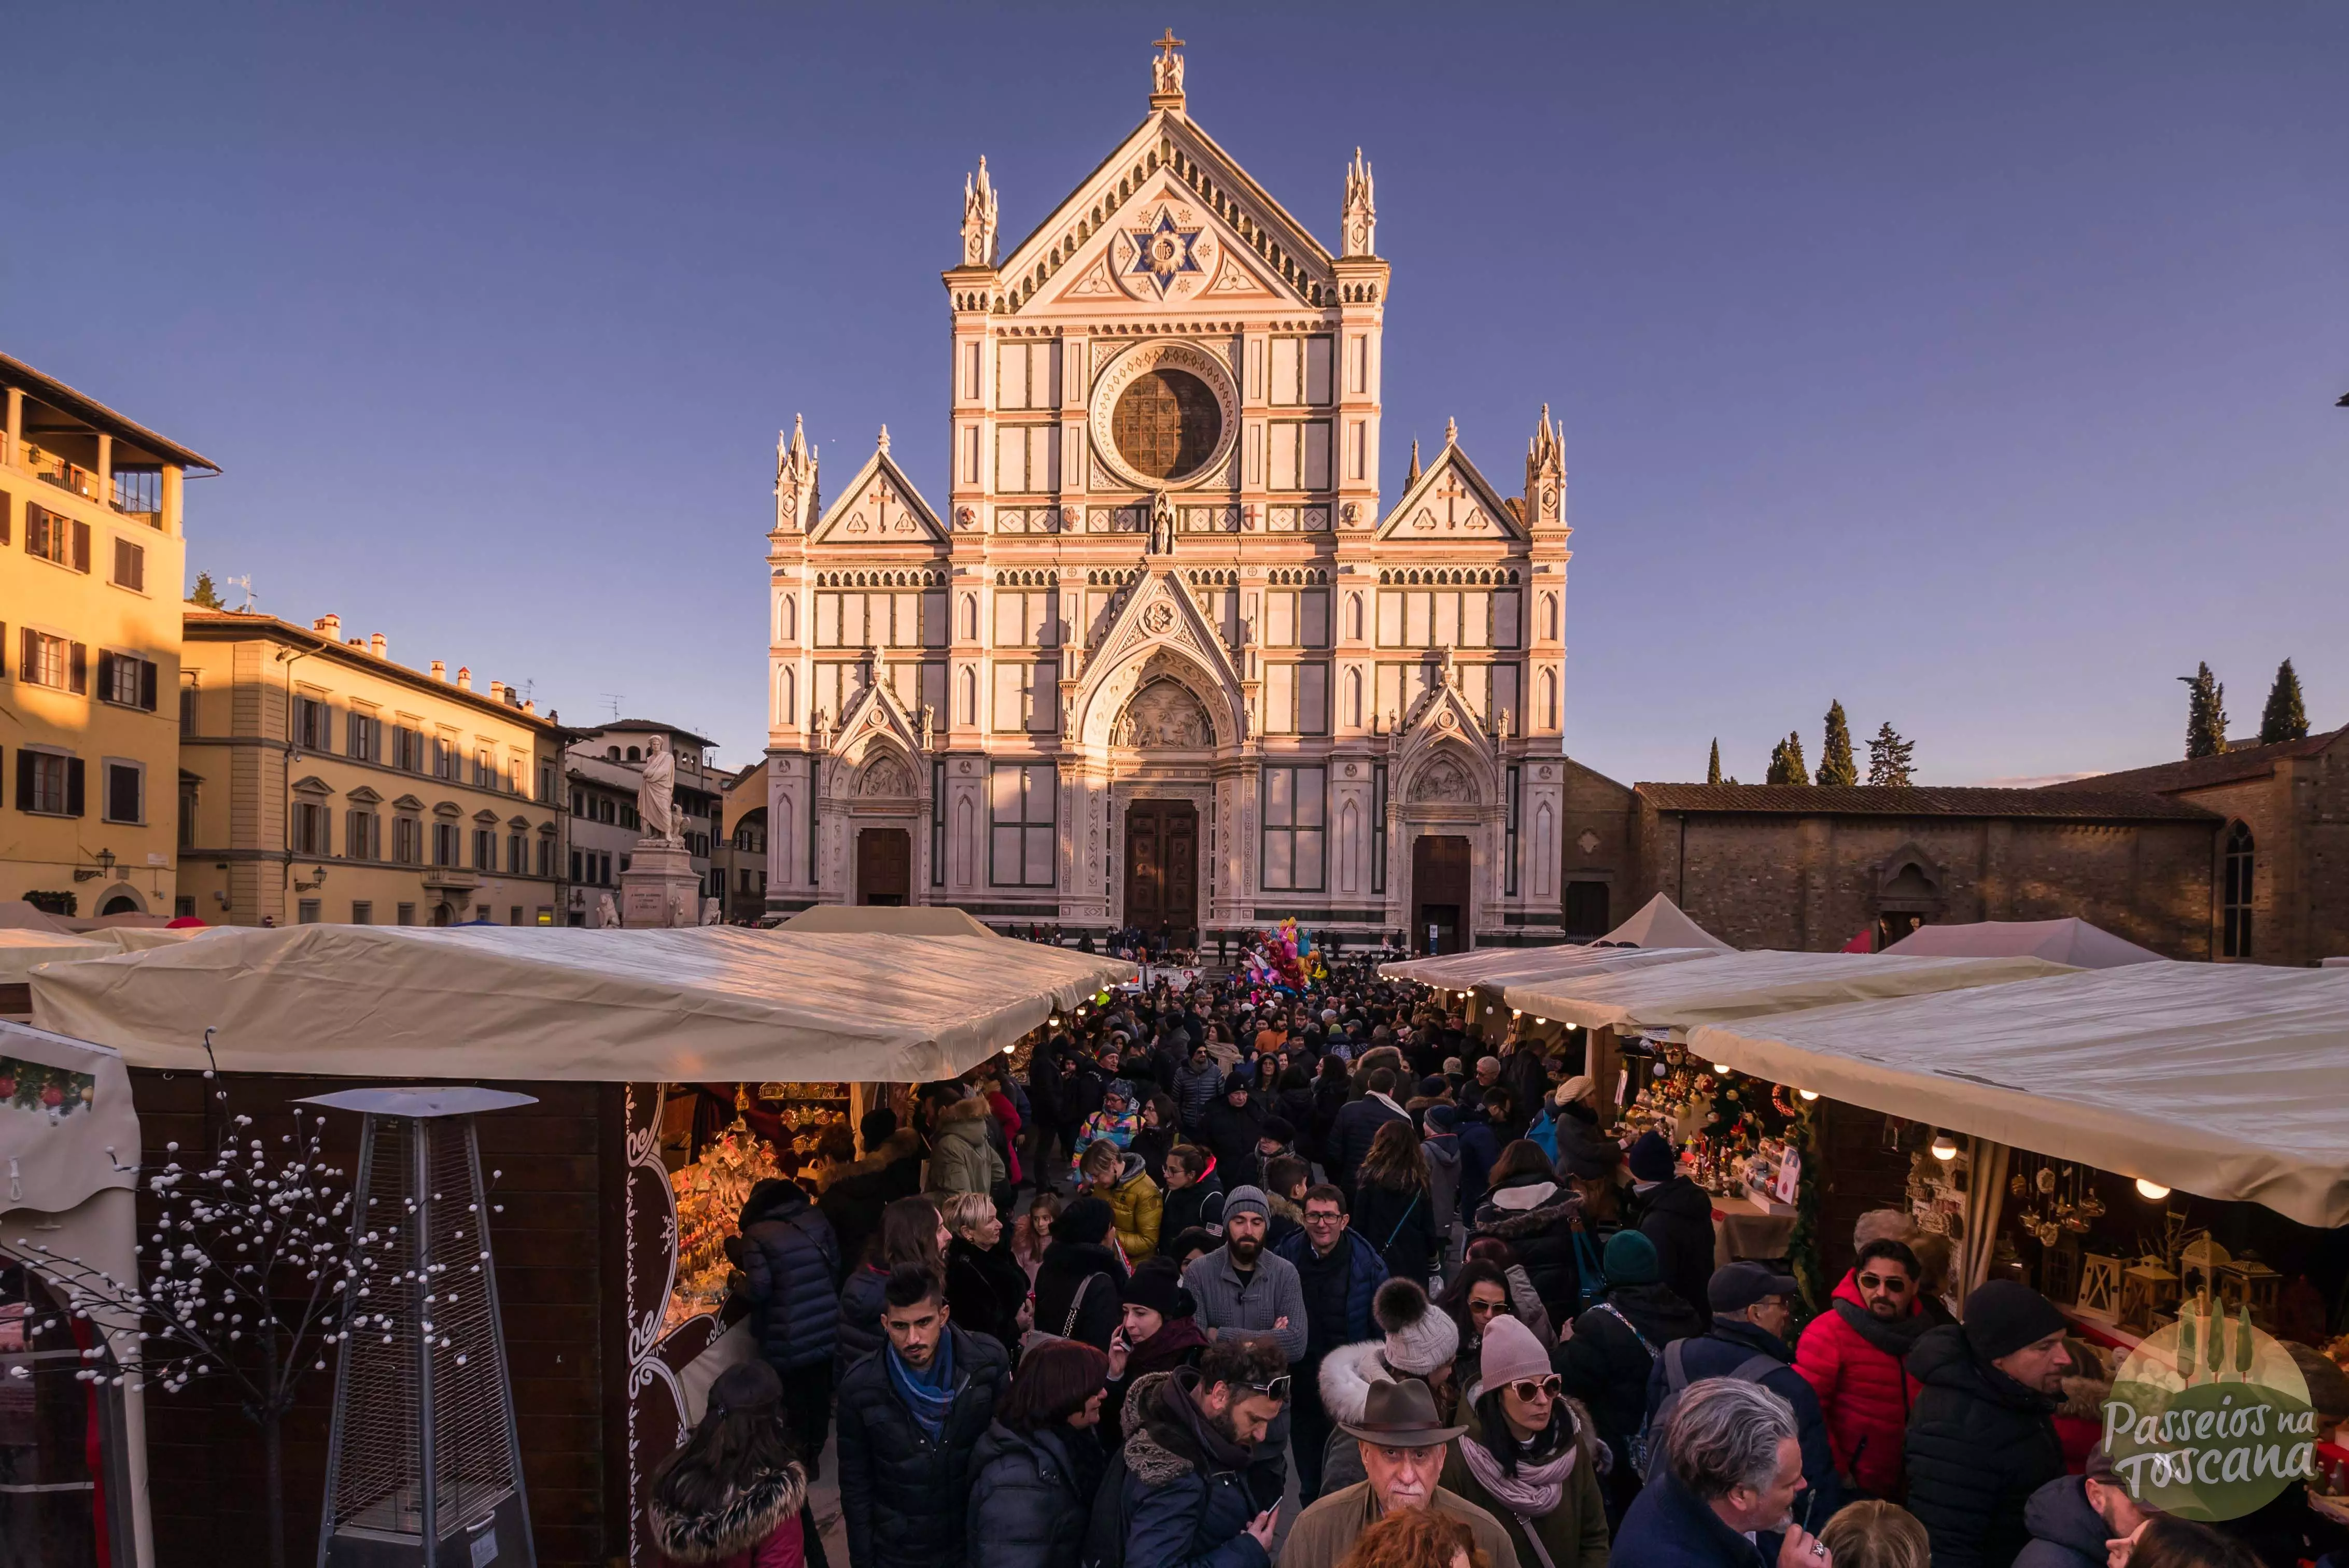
<point>1403,1446</point>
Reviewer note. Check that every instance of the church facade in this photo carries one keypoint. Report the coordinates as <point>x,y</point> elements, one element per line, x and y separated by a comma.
<point>1167,656</point>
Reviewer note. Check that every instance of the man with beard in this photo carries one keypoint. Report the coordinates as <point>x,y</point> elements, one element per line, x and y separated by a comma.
<point>1403,1443</point>
<point>1854,1356</point>
<point>1182,1490</point>
<point>1242,1289</point>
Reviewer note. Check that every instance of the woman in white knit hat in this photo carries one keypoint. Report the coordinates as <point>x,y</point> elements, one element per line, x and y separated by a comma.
<point>1529,1456</point>
<point>1417,1339</point>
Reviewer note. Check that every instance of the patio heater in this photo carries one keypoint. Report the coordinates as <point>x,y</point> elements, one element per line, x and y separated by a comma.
<point>423,1469</point>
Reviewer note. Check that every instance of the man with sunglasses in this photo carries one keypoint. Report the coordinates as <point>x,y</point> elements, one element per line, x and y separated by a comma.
<point>1185,1490</point>
<point>1855,1357</point>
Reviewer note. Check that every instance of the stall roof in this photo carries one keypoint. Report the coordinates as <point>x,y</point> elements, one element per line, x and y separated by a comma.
<point>23,948</point>
<point>1724,986</point>
<point>2071,940</point>
<point>909,920</point>
<point>2226,1080</point>
<point>1661,923</point>
<point>714,1003</point>
<point>1498,968</point>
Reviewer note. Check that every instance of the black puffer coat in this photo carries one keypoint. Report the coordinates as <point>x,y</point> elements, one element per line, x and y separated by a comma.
<point>1676,1216</point>
<point>1031,1497</point>
<point>1538,1225</point>
<point>901,1495</point>
<point>1606,1367</point>
<point>1200,1203</point>
<point>1060,1273</point>
<point>790,1266</point>
<point>1230,1132</point>
<point>1979,1444</point>
<point>986,1288</point>
<point>857,1332</point>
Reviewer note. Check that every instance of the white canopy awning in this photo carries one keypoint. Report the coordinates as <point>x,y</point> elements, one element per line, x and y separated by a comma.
<point>1724,986</point>
<point>715,1003</point>
<point>1499,967</point>
<point>2226,1080</point>
<point>2070,941</point>
<point>1661,923</point>
<point>24,949</point>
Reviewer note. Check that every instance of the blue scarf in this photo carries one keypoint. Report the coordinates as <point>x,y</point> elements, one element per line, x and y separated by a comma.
<point>928,1396</point>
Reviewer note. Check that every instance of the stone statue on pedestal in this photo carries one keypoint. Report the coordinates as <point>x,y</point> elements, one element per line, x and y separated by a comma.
<point>656,795</point>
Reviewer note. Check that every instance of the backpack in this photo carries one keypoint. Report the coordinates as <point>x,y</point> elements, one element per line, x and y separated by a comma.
<point>1647,1444</point>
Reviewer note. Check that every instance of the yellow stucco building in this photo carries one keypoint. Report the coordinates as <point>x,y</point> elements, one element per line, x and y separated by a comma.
<point>321,781</point>
<point>92,558</point>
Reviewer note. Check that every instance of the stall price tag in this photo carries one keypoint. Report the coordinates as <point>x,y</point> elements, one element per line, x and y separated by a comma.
<point>1790,1176</point>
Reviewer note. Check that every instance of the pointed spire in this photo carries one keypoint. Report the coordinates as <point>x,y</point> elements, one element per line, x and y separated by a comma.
<point>1359,219</point>
<point>884,442</point>
<point>1412,477</point>
<point>795,487</point>
<point>978,219</point>
<point>799,435</point>
<point>1451,432</point>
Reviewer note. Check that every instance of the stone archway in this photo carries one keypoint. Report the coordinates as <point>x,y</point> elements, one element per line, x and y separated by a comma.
<point>1163,714</point>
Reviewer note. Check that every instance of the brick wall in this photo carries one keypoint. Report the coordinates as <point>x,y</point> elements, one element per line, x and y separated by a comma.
<point>205,1459</point>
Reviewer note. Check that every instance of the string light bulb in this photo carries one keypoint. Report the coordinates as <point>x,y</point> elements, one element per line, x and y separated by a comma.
<point>1808,1093</point>
<point>2151,1192</point>
<point>1541,1020</point>
<point>1944,1146</point>
<point>1722,1068</point>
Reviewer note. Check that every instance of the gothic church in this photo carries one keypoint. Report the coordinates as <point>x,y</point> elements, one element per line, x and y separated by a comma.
<point>1165,657</point>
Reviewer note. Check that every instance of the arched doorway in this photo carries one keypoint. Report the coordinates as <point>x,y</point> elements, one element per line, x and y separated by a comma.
<point>1161,868</point>
<point>1439,893</point>
<point>122,903</point>
<point>884,867</point>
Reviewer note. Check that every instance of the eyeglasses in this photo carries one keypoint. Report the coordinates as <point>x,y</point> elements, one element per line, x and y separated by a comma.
<point>1276,1390</point>
<point>1486,1308</point>
<point>1322,1216</point>
<point>1898,1284</point>
<point>1528,1389</point>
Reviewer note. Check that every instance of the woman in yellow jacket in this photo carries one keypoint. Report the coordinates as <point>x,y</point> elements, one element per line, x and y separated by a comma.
<point>1118,1178</point>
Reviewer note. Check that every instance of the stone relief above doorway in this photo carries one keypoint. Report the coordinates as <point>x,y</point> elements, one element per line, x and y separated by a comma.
<point>1165,714</point>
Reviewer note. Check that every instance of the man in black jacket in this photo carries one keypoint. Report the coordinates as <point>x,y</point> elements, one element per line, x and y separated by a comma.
<point>1676,1216</point>
<point>909,1417</point>
<point>1350,1137</point>
<point>1753,1307</point>
<point>790,1276</point>
<point>1981,1438</point>
<point>891,1170</point>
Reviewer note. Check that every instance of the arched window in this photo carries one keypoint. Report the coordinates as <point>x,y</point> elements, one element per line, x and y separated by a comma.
<point>1549,617</point>
<point>786,696</point>
<point>967,698</point>
<point>787,617</point>
<point>634,755</point>
<point>1355,619</point>
<point>1354,697</point>
<point>970,618</point>
<point>1549,700</point>
<point>612,752</point>
<point>2235,900</point>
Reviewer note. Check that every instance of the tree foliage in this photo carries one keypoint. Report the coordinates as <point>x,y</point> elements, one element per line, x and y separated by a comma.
<point>1786,764</point>
<point>2286,717</point>
<point>2206,714</point>
<point>1712,767</point>
<point>1890,759</point>
<point>205,596</point>
<point>1835,764</point>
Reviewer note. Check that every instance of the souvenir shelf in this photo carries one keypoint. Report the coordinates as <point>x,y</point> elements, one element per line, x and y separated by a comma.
<point>807,1111</point>
<point>711,1193</point>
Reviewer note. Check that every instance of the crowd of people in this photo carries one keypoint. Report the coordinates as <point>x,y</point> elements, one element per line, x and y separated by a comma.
<point>1109,1309</point>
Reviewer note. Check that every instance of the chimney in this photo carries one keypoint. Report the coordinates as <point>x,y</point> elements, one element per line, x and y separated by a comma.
<point>356,642</point>
<point>375,646</point>
<point>332,626</point>
<point>497,691</point>
<point>464,677</point>
<point>530,706</point>
<point>440,671</point>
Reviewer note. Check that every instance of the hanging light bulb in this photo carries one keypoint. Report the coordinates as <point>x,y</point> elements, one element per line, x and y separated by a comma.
<point>1516,1012</point>
<point>1541,1020</point>
<point>1808,1093</point>
<point>1944,1146</point>
<point>2150,1192</point>
<point>1053,1022</point>
<point>1721,1068</point>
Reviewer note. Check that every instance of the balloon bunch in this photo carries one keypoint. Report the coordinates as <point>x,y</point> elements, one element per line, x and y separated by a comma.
<point>1283,959</point>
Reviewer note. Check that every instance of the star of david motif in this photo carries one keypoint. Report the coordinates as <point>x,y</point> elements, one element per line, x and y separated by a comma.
<point>1163,252</point>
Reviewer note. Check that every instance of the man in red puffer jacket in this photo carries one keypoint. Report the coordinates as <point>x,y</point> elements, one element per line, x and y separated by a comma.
<point>1854,1354</point>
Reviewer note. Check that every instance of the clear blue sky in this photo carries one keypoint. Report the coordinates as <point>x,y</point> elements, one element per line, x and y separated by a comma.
<point>1974,363</point>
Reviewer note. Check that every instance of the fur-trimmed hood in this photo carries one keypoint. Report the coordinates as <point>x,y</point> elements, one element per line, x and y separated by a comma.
<point>1509,1220</point>
<point>1158,1451</point>
<point>742,1521</point>
<point>1347,1374</point>
<point>965,1119</point>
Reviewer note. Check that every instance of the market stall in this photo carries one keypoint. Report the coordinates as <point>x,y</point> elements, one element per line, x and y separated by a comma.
<point>672,1069</point>
<point>2070,941</point>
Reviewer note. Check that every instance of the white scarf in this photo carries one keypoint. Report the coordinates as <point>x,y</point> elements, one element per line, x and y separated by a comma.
<point>1534,1491</point>
<point>1389,1103</point>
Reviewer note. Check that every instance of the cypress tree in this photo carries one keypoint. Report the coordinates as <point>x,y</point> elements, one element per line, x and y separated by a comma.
<point>1713,769</point>
<point>1835,765</point>
<point>1889,760</point>
<point>2206,714</point>
<point>206,596</point>
<point>1786,764</point>
<point>2286,717</point>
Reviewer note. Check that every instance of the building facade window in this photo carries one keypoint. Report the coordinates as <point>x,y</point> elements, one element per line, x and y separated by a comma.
<point>444,844</point>
<point>406,840</point>
<point>1021,828</point>
<point>44,660</point>
<point>362,836</point>
<point>56,539</point>
<point>2235,900</point>
<point>129,566</point>
<point>1509,832</point>
<point>937,824</point>
<point>1294,803</point>
<point>485,849</point>
<point>48,784</point>
<point>405,914</point>
<point>314,725</point>
<point>1378,827</point>
<point>546,855</point>
<point>307,830</point>
<point>407,750</point>
<point>362,735</point>
<point>362,912</point>
<point>517,855</point>
<point>308,911</point>
<point>187,814</point>
<point>126,792</point>
<point>126,680</point>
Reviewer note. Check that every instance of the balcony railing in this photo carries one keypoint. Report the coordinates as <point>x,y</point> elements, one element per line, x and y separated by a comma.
<point>50,467</point>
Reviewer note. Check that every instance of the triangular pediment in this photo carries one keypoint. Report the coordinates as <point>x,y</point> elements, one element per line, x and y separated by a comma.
<point>876,714</point>
<point>363,796</point>
<point>879,506</point>
<point>1160,629</point>
<point>1449,503</point>
<point>1168,217</point>
<point>1442,728</point>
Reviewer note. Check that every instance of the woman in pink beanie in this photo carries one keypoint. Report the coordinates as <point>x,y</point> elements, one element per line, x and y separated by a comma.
<point>1530,1455</point>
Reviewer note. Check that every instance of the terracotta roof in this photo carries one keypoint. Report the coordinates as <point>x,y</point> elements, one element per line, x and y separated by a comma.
<point>2228,767</point>
<point>81,406</point>
<point>1920,801</point>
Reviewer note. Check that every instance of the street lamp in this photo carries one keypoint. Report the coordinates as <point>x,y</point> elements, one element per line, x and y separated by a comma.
<point>105,859</point>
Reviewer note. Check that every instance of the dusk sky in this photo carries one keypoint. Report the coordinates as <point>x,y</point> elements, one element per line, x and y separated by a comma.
<point>1973,364</point>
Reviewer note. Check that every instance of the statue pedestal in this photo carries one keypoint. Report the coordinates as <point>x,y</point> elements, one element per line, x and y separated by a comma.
<point>660,887</point>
